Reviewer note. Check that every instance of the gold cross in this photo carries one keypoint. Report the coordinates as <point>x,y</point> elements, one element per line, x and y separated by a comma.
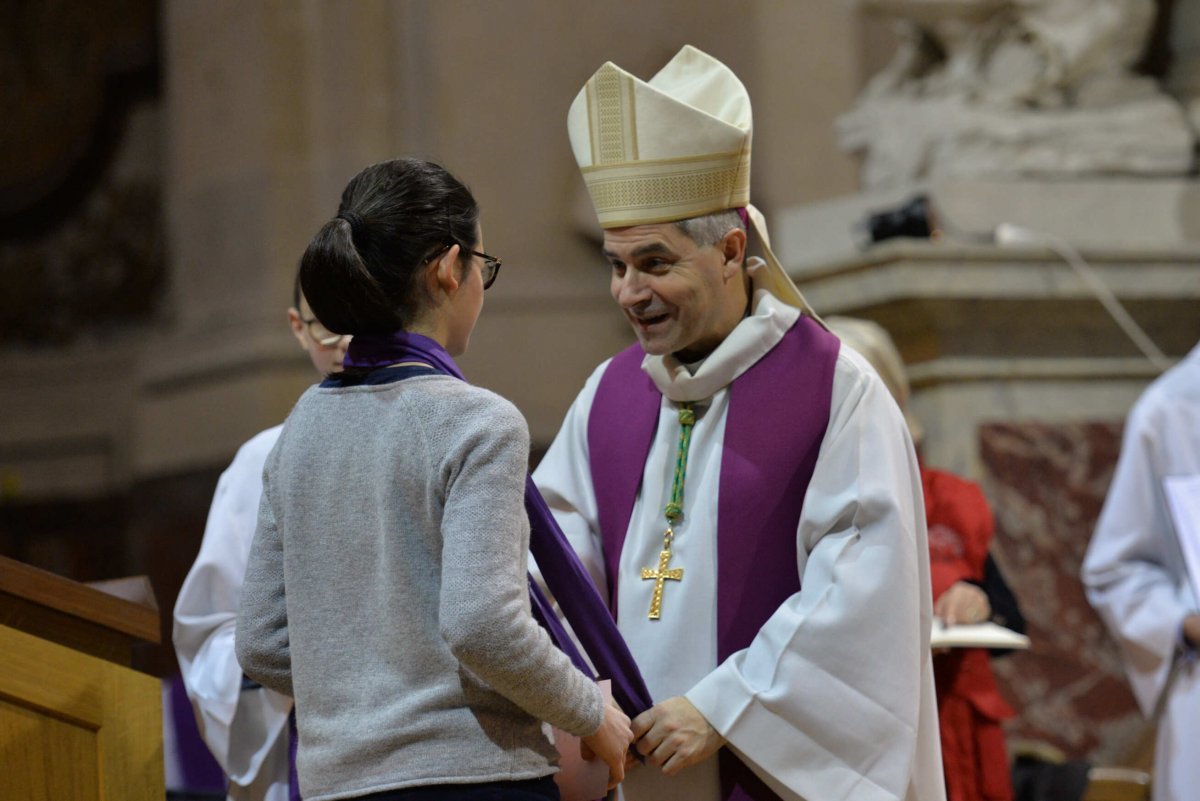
<point>660,577</point>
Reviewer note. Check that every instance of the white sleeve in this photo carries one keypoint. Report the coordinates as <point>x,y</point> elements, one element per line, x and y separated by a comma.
<point>833,697</point>
<point>243,729</point>
<point>564,477</point>
<point>1127,569</point>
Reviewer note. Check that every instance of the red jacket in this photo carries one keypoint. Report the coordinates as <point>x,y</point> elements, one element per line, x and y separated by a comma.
<point>970,707</point>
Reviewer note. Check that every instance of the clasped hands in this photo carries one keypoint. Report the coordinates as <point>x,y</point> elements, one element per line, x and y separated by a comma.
<point>672,736</point>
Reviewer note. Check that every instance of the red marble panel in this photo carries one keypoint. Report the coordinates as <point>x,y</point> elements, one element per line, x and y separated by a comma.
<point>1047,484</point>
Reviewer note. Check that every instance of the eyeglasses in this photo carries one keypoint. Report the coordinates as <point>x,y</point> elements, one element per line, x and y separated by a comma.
<point>491,267</point>
<point>320,334</point>
<point>491,264</point>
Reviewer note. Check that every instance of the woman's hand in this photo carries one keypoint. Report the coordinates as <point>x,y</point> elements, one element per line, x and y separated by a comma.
<point>962,603</point>
<point>610,743</point>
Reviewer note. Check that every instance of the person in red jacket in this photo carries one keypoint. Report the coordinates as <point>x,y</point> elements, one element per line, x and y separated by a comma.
<point>967,588</point>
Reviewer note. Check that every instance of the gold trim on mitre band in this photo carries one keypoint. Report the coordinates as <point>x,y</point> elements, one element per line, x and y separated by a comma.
<point>665,190</point>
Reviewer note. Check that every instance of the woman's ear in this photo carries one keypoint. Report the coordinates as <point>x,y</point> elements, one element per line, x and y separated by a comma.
<point>442,271</point>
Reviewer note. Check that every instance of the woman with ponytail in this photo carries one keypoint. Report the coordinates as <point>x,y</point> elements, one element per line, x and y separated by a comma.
<point>387,589</point>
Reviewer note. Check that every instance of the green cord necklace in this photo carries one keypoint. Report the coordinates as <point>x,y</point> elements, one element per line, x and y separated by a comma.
<point>673,512</point>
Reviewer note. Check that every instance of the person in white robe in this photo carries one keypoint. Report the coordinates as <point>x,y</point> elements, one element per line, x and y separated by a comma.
<point>1136,575</point>
<point>245,727</point>
<point>834,696</point>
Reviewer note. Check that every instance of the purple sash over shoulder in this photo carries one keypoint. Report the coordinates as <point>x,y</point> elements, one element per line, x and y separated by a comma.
<point>566,578</point>
<point>778,413</point>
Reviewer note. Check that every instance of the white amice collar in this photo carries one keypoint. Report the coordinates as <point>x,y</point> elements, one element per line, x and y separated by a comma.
<point>752,339</point>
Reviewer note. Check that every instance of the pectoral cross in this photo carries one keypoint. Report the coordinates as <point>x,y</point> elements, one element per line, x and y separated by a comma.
<point>660,577</point>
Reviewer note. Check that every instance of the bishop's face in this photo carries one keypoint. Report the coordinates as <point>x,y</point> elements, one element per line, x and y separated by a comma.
<point>679,297</point>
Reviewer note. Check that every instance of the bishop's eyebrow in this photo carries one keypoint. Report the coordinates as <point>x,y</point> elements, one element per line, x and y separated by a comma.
<point>649,249</point>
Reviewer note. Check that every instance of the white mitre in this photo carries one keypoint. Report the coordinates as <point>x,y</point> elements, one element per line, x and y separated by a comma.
<point>672,148</point>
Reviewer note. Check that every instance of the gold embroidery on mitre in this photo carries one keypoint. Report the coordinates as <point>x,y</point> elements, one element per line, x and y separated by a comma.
<point>671,189</point>
<point>590,105</point>
<point>631,126</point>
<point>610,117</point>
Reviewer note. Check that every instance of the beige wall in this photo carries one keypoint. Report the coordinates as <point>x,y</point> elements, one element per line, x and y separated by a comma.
<point>273,106</point>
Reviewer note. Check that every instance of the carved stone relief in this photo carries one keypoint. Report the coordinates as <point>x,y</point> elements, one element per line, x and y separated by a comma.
<point>1016,87</point>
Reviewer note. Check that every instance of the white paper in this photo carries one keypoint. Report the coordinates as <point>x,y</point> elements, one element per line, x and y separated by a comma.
<point>580,779</point>
<point>1183,499</point>
<point>975,635</point>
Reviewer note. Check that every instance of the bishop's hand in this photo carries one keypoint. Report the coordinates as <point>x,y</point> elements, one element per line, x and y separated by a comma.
<point>673,735</point>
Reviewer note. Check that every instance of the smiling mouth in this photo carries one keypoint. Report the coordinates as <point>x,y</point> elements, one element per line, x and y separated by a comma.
<point>645,322</point>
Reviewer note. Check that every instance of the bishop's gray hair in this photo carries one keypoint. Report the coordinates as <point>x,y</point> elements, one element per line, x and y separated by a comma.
<point>710,229</point>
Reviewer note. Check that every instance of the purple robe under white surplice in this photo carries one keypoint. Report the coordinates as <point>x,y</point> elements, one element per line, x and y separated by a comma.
<point>833,697</point>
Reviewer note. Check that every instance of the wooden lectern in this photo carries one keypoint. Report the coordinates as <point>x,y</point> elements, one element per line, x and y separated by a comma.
<point>76,721</point>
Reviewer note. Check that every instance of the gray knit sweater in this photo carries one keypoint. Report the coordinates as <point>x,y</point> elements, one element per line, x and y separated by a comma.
<point>386,592</point>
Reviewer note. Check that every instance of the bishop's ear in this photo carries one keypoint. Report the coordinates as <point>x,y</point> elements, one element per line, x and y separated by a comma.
<point>733,248</point>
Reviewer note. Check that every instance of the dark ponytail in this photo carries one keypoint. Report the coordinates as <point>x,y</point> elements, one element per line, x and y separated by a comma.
<point>362,273</point>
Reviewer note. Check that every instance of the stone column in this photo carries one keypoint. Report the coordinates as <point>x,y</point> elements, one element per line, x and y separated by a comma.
<point>270,108</point>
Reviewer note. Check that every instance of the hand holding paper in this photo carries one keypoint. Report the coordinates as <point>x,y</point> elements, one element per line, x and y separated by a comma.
<point>962,603</point>
<point>975,635</point>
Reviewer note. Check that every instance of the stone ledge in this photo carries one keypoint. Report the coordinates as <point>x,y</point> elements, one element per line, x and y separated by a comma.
<point>907,271</point>
<point>1134,217</point>
<point>956,370</point>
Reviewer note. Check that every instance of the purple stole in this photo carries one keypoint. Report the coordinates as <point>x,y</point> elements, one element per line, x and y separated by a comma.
<point>778,414</point>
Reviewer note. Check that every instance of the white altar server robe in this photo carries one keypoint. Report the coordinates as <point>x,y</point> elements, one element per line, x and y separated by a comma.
<point>1135,575</point>
<point>246,730</point>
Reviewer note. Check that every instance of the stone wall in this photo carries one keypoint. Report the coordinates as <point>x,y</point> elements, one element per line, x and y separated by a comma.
<point>116,426</point>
